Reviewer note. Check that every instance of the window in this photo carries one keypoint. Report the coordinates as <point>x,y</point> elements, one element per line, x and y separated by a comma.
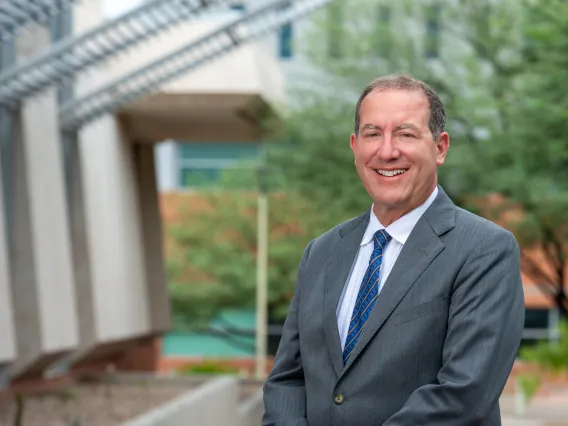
<point>201,165</point>
<point>540,324</point>
<point>383,37</point>
<point>60,24</point>
<point>335,29</point>
<point>285,39</point>
<point>432,38</point>
<point>239,7</point>
<point>61,27</point>
<point>286,51</point>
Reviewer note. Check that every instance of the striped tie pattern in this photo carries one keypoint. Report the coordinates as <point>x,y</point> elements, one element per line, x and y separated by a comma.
<point>368,293</point>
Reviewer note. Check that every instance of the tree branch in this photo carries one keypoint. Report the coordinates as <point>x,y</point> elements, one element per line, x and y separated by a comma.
<point>544,282</point>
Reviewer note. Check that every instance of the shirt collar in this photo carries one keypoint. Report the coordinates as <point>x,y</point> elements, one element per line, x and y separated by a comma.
<point>401,228</point>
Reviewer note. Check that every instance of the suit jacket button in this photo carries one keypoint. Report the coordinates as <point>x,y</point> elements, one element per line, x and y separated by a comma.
<point>339,398</point>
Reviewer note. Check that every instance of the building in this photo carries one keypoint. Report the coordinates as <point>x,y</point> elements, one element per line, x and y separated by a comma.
<point>82,279</point>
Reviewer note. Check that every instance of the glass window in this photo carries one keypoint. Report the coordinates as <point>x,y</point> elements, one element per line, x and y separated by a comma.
<point>239,7</point>
<point>537,318</point>
<point>199,178</point>
<point>201,165</point>
<point>285,46</point>
<point>61,27</point>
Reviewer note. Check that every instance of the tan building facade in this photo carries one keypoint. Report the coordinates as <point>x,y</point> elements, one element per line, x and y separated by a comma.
<point>82,272</point>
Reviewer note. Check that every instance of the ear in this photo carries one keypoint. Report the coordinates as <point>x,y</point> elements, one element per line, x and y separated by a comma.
<point>353,142</point>
<point>442,147</point>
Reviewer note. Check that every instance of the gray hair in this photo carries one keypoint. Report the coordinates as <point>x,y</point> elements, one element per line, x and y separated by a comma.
<point>437,120</point>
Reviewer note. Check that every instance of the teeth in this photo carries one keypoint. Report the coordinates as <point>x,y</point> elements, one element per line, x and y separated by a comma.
<point>391,173</point>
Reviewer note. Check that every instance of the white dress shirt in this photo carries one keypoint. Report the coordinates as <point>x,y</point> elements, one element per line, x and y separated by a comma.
<point>399,230</point>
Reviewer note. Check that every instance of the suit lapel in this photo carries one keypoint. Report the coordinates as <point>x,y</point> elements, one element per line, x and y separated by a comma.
<point>421,248</point>
<point>337,271</point>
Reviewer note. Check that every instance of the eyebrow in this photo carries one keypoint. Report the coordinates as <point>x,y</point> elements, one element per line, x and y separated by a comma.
<point>371,127</point>
<point>405,126</point>
<point>402,126</point>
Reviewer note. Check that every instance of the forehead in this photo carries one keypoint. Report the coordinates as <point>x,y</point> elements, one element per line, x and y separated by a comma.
<point>391,106</point>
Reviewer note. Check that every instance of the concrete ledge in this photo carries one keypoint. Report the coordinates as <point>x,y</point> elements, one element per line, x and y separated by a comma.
<point>200,406</point>
<point>250,412</point>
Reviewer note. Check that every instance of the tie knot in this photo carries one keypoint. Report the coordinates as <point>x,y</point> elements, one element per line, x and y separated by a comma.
<point>381,238</point>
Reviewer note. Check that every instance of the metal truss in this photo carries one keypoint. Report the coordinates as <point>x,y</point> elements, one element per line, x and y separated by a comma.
<point>75,54</point>
<point>148,79</point>
<point>15,14</point>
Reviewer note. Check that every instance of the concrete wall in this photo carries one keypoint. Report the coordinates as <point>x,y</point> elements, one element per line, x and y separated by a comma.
<point>242,70</point>
<point>8,346</point>
<point>128,294</point>
<point>212,404</point>
<point>153,241</point>
<point>114,228</point>
<point>250,412</point>
<point>42,273</point>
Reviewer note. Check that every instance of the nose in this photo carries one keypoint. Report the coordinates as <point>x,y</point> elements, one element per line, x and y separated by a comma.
<point>387,150</point>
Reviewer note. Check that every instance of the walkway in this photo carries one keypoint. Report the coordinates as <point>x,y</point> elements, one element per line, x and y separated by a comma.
<point>549,410</point>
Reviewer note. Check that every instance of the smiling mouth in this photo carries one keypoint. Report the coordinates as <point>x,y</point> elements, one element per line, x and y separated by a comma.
<point>391,173</point>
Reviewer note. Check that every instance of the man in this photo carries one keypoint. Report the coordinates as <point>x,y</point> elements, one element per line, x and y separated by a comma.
<point>412,313</point>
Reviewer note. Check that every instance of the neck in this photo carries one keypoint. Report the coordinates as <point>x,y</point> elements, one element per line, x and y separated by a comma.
<point>389,214</point>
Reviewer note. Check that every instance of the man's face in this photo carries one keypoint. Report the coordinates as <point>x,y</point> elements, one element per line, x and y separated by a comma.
<point>395,154</point>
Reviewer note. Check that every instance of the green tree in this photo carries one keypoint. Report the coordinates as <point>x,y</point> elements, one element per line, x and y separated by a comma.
<point>501,77</point>
<point>213,264</point>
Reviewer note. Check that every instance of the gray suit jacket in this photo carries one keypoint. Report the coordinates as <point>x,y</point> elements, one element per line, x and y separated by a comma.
<point>439,344</point>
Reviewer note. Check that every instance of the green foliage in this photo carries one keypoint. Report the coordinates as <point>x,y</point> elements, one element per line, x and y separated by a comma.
<point>501,77</point>
<point>209,368</point>
<point>529,383</point>
<point>20,407</point>
<point>553,357</point>
<point>504,90</point>
<point>66,394</point>
<point>218,246</point>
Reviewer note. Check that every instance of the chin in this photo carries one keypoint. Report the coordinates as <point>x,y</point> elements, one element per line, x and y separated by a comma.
<point>389,197</point>
<point>389,202</point>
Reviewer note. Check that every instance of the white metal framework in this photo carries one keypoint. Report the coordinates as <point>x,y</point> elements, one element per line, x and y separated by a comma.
<point>75,54</point>
<point>111,97</point>
<point>18,13</point>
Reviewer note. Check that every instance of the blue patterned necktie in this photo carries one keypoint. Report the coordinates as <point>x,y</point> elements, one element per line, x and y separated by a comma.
<point>368,293</point>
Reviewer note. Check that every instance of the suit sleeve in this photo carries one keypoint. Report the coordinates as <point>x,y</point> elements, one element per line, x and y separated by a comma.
<point>284,390</point>
<point>485,325</point>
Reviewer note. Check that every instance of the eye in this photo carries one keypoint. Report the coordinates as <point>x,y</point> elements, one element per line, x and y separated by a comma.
<point>407,135</point>
<point>371,135</point>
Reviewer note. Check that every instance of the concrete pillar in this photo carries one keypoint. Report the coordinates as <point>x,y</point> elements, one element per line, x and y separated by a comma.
<point>7,337</point>
<point>167,165</point>
<point>153,239</point>
<point>107,223</point>
<point>79,241</point>
<point>115,232</point>
<point>8,346</point>
<point>42,272</point>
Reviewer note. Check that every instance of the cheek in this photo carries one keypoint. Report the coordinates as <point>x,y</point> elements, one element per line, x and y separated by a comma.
<point>366,152</point>
<point>426,157</point>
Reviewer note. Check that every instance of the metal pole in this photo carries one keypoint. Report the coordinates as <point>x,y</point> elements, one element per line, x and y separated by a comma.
<point>262,276</point>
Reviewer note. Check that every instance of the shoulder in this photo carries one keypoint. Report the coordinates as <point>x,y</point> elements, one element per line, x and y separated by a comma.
<point>323,244</point>
<point>476,230</point>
